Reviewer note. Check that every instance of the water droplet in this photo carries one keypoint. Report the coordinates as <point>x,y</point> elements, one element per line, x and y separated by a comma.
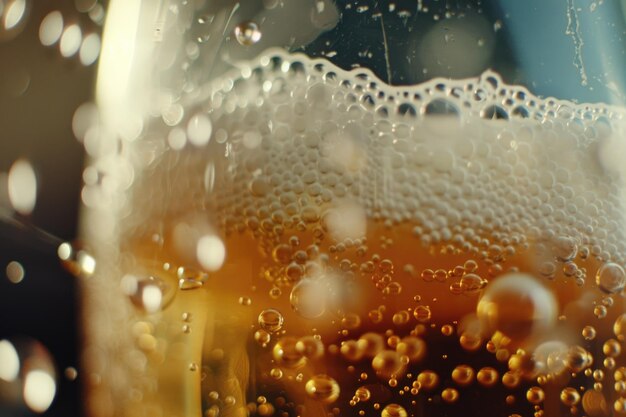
<point>247,33</point>
<point>322,388</point>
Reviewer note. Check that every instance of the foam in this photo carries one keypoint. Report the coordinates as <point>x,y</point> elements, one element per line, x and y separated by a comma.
<point>460,160</point>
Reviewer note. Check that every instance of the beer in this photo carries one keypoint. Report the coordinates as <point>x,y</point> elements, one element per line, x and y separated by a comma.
<point>311,241</point>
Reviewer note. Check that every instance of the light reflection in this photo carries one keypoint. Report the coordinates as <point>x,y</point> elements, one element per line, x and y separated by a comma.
<point>51,28</point>
<point>211,252</point>
<point>15,272</point>
<point>70,40</point>
<point>9,361</point>
<point>39,390</point>
<point>89,49</point>
<point>152,298</point>
<point>14,13</point>
<point>22,186</point>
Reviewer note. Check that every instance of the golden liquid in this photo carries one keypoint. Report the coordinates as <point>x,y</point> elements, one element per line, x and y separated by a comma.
<point>426,353</point>
<point>373,266</point>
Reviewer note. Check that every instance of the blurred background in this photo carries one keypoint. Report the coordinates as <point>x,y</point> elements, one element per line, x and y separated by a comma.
<point>48,55</point>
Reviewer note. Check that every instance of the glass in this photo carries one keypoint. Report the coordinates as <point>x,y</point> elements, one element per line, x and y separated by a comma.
<point>324,207</point>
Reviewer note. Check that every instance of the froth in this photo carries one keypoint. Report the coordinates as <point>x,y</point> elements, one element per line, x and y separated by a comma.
<point>290,141</point>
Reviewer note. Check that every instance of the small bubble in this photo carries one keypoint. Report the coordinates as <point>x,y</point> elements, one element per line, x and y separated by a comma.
<point>262,337</point>
<point>487,376</point>
<point>247,33</point>
<point>569,396</point>
<point>76,260</point>
<point>463,375</point>
<point>450,395</point>
<point>535,395</point>
<point>589,332</point>
<point>70,373</point>
<point>276,373</point>
<point>193,367</point>
<point>245,301</point>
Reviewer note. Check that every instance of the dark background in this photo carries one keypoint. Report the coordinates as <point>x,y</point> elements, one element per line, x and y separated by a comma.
<point>39,91</point>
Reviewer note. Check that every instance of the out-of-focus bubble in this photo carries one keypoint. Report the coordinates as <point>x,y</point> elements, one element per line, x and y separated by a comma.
<point>346,221</point>
<point>149,294</point>
<point>85,117</point>
<point>96,14</point>
<point>89,49</point>
<point>518,306</point>
<point>15,79</point>
<point>29,372</point>
<point>77,261</point>
<point>51,28</point>
<point>177,138</point>
<point>70,40</point>
<point>324,14</point>
<point>85,6</point>
<point>39,390</point>
<point>211,252</point>
<point>199,130</point>
<point>22,186</point>
<point>14,14</point>
<point>9,361</point>
<point>15,272</point>
<point>70,373</point>
<point>247,33</point>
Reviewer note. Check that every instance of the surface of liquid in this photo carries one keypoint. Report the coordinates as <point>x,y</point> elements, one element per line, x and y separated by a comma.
<point>313,242</point>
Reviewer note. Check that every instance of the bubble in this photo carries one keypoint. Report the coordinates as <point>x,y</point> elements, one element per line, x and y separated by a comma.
<point>149,294</point>
<point>285,352</point>
<point>589,332</point>
<point>565,249</point>
<point>310,347</point>
<point>89,49</point>
<point>535,395</point>
<point>463,375</point>
<point>27,375</point>
<point>569,396</point>
<point>70,40</point>
<point>362,394</point>
<point>518,306</point>
<point>322,388</point>
<point>619,327</point>
<point>611,348</point>
<point>15,12</point>
<point>76,260</point>
<point>422,313</point>
<point>351,321</point>
<point>247,33</point>
<point>393,410</point>
<point>210,252</point>
<point>276,373</point>
<point>611,278</point>
<point>262,337</point>
<point>412,347</point>
<point>15,272</point>
<point>471,284</point>
<point>22,186</point>
<point>271,320</point>
<point>388,363</point>
<point>594,403</point>
<point>371,344</point>
<point>199,129</point>
<point>51,28</point>
<point>450,395</point>
<point>308,298</point>
<point>487,376</point>
<point>578,359</point>
<point>428,380</point>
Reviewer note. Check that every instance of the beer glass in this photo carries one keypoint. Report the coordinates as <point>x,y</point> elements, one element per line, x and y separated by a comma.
<point>356,208</point>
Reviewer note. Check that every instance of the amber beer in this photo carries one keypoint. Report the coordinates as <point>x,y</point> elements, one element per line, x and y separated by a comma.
<point>313,242</point>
